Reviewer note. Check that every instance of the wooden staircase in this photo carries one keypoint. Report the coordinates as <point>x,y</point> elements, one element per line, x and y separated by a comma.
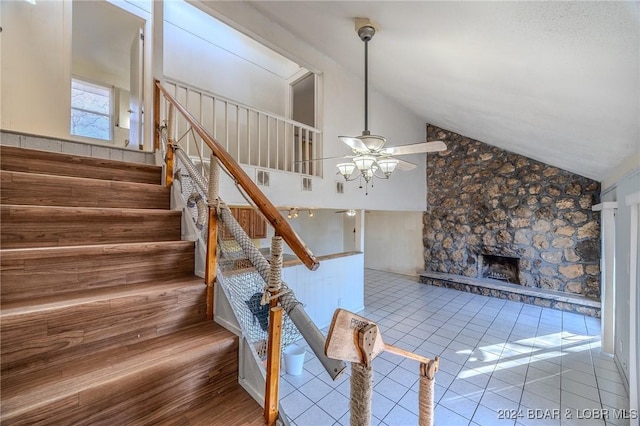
<point>102,320</point>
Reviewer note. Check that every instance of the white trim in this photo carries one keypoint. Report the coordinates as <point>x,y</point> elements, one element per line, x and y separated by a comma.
<point>607,274</point>
<point>633,201</point>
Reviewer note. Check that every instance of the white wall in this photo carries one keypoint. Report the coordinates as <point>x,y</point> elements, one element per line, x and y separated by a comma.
<point>349,232</point>
<point>208,54</point>
<point>322,233</point>
<point>393,242</point>
<point>36,62</point>
<point>617,190</point>
<point>338,283</point>
<point>36,67</point>
<point>342,114</point>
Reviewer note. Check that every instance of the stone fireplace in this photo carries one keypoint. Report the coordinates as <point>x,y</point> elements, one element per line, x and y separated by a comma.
<point>499,216</point>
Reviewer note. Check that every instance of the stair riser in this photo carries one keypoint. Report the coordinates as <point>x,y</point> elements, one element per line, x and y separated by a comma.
<point>52,163</point>
<point>46,190</point>
<point>34,273</point>
<point>27,226</point>
<point>32,340</point>
<point>141,394</point>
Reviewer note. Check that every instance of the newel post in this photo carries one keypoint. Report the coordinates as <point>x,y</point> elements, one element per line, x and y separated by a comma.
<point>169,160</point>
<point>212,232</point>
<point>156,116</point>
<point>274,343</point>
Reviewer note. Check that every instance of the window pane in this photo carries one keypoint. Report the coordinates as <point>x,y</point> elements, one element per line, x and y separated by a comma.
<point>90,110</point>
<point>88,124</point>
<point>90,97</point>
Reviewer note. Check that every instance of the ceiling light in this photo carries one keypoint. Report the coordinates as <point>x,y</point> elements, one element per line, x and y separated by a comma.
<point>369,152</point>
<point>364,162</point>
<point>351,212</point>
<point>346,169</point>
<point>310,213</point>
<point>387,165</point>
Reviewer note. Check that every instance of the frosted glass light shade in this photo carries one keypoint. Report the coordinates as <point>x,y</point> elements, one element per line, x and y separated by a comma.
<point>346,169</point>
<point>387,165</point>
<point>364,162</point>
<point>373,142</point>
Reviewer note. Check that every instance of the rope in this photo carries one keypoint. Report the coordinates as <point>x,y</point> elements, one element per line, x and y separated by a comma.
<point>197,178</point>
<point>214,183</point>
<point>274,284</point>
<point>427,392</point>
<point>361,386</point>
<point>287,298</point>
<point>195,200</point>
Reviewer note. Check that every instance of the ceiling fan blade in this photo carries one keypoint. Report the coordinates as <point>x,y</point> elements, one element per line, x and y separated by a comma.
<point>416,148</point>
<point>353,143</point>
<point>405,166</point>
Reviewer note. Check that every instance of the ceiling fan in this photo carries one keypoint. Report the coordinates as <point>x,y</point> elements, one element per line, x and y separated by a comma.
<point>370,156</point>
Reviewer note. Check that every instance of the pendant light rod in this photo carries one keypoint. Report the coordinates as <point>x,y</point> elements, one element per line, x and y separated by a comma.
<point>366,87</point>
<point>366,33</point>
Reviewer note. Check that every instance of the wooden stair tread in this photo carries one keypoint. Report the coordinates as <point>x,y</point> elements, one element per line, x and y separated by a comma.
<point>37,161</point>
<point>97,212</point>
<point>51,190</point>
<point>48,331</point>
<point>90,249</point>
<point>240,410</point>
<point>29,391</point>
<point>42,271</point>
<point>45,226</point>
<point>40,305</point>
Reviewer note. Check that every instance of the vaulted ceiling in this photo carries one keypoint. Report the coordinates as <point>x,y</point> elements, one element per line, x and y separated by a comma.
<point>555,81</point>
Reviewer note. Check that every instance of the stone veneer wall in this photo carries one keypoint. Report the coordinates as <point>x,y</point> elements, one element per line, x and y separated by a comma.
<point>485,200</point>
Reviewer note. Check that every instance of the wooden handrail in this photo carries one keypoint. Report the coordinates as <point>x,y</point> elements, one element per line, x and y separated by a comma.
<point>270,212</point>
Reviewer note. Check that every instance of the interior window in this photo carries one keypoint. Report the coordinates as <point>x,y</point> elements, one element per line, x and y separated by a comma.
<point>91,107</point>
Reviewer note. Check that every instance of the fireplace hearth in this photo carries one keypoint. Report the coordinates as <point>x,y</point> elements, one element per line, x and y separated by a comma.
<point>501,268</point>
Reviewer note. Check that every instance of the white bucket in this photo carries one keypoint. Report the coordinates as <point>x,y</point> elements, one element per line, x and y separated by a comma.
<point>294,359</point>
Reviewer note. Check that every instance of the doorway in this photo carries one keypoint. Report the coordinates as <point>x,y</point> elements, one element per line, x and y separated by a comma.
<point>303,110</point>
<point>107,71</point>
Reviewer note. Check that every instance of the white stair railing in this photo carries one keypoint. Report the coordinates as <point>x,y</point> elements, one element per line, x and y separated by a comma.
<point>252,137</point>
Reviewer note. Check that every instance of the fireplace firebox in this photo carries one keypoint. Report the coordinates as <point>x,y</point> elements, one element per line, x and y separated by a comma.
<point>499,268</point>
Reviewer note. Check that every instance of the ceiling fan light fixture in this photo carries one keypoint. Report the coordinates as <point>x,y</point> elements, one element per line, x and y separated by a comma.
<point>351,212</point>
<point>387,165</point>
<point>369,152</point>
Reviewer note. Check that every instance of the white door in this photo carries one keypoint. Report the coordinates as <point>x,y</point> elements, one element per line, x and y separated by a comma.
<point>136,109</point>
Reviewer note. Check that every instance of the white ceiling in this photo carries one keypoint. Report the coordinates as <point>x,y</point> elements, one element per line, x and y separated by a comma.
<point>101,39</point>
<point>555,81</point>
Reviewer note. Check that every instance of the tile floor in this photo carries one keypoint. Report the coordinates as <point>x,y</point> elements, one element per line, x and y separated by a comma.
<point>502,363</point>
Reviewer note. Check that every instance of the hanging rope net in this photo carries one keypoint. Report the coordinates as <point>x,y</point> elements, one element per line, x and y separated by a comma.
<point>243,270</point>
